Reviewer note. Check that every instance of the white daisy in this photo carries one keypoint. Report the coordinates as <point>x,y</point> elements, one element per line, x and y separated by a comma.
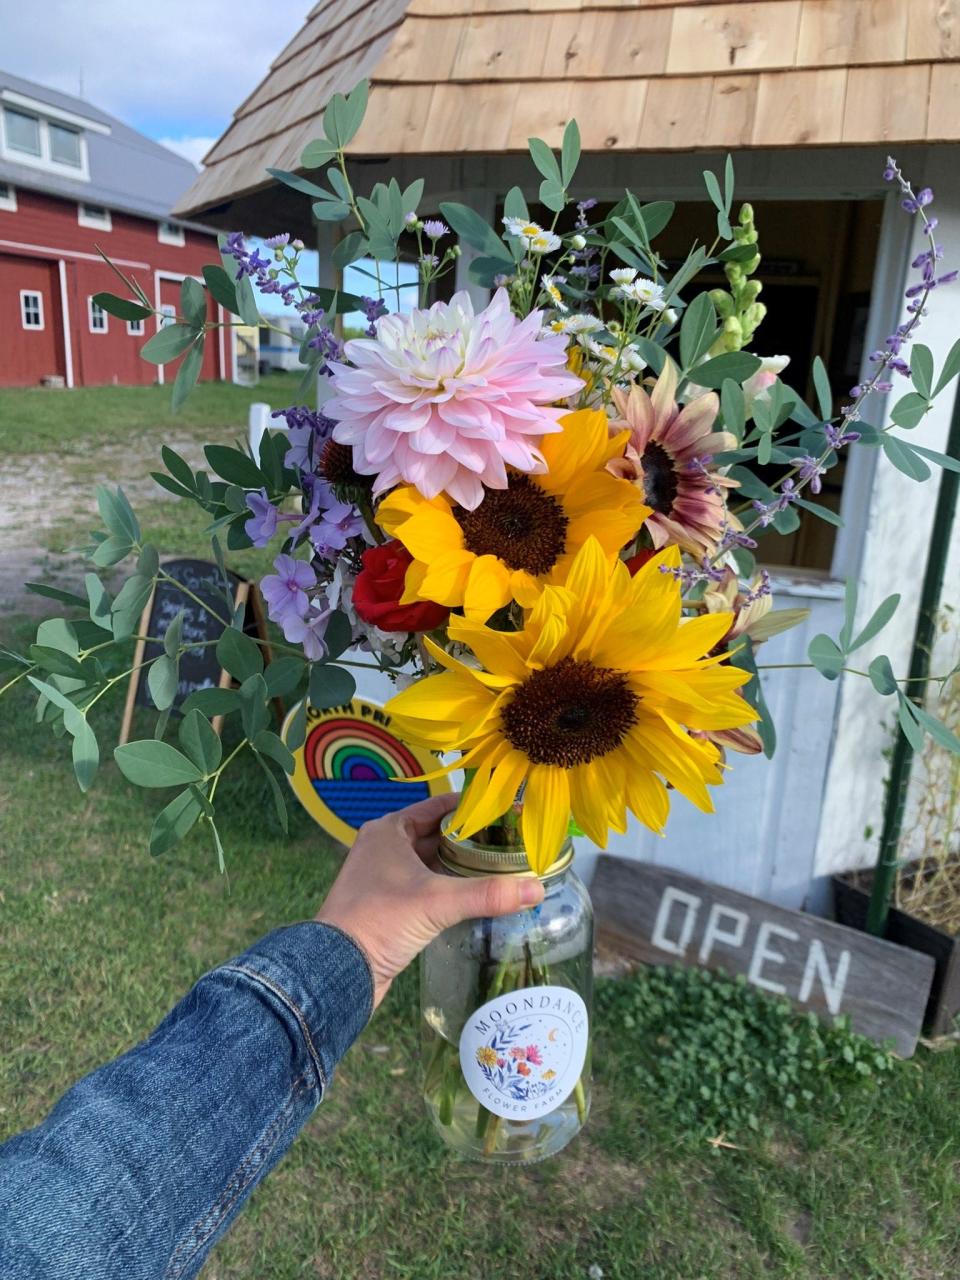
<point>545,242</point>
<point>647,292</point>
<point>523,228</point>
<point>550,288</point>
<point>576,324</point>
<point>623,275</point>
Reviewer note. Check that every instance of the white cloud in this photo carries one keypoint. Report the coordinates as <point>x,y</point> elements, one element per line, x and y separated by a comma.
<point>191,148</point>
<point>176,68</point>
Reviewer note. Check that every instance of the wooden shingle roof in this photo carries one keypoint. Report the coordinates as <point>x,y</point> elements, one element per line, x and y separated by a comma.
<point>451,77</point>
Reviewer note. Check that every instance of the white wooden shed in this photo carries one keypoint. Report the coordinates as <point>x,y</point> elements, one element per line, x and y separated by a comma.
<point>809,95</point>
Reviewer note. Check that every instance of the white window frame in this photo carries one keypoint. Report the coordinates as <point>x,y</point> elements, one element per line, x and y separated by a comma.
<point>90,314</point>
<point>170,233</point>
<point>45,161</point>
<point>87,219</point>
<point>24,295</point>
<point>8,201</point>
<point>139,331</point>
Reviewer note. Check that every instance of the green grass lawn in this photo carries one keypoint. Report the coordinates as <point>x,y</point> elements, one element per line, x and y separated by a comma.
<point>38,420</point>
<point>97,941</point>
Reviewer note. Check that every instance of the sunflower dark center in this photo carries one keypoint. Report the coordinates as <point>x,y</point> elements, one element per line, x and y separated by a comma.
<point>570,714</point>
<point>523,526</point>
<point>336,467</point>
<point>660,481</point>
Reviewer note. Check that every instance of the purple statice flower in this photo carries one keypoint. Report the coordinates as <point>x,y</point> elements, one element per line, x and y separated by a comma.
<point>811,469</point>
<point>329,347</point>
<point>278,242</point>
<point>338,523</point>
<point>837,437</point>
<point>373,309</point>
<point>768,511</point>
<point>735,538</point>
<point>434,229</point>
<point>263,523</point>
<point>286,591</point>
<point>310,631</point>
<point>252,264</point>
<point>307,430</point>
<point>701,467</point>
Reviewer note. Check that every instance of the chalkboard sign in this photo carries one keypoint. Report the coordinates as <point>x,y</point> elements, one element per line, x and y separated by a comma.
<point>199,668</point>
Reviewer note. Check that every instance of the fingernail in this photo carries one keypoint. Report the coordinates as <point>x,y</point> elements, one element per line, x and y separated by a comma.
<point>531,891</point>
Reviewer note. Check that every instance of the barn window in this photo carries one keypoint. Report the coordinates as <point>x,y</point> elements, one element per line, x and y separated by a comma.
<point>8,197</point>
<point>170,233</point>
<point>94,215</point>
<point>98,317</point>
<point>168,314</point>
<point>22,132</point>
<point>65,146</point>
<point>135,328</point>
<point>31,309</point>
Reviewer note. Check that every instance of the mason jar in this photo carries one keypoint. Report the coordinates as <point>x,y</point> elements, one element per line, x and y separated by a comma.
<point>506,1005</point>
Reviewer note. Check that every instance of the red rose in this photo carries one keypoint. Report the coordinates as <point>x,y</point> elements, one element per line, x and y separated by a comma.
<point>635,563</point>
<point>379,586</point>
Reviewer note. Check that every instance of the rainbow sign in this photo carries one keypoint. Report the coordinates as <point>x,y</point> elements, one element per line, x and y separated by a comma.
<point>351,768</point>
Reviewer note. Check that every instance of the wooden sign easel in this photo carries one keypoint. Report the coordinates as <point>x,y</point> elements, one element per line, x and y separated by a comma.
<point>246,594</point>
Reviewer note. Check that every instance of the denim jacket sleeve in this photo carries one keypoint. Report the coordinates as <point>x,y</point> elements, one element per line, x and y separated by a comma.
<point>142,1165</point>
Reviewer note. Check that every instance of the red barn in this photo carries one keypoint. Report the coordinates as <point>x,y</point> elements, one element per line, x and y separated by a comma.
<point>74,179</point>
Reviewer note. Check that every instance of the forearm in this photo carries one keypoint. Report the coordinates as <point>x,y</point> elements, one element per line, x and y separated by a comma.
<point>142,1166</point>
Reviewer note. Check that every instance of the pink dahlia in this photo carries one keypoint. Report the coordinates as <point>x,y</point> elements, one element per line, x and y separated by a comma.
<point>446,400</point>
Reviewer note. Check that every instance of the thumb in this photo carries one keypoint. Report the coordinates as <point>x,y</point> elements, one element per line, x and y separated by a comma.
<point>472,898</point>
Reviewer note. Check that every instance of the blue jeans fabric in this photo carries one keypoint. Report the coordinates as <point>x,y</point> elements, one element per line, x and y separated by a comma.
<point>141,1167</point>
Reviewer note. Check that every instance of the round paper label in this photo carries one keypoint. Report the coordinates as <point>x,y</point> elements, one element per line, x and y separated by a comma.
<point>523,1053</point>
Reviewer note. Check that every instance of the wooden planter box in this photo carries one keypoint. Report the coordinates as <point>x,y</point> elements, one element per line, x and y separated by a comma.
<point>943,1005</point>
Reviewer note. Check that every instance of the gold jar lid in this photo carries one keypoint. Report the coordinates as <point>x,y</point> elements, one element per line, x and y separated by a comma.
<point>471,858</point>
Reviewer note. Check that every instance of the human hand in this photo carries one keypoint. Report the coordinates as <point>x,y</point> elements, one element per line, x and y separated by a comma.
<point>390,899</point>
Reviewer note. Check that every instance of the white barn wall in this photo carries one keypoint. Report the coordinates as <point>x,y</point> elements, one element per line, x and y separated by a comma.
<point>900,516</point>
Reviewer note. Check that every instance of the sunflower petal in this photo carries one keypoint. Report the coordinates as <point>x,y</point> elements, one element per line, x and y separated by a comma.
<point>546,815</point>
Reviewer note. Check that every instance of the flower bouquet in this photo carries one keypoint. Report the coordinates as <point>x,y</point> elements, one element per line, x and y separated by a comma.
<point>536,513</point>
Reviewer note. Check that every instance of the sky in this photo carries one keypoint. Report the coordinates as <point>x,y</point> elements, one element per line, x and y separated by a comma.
<point>174,69</point>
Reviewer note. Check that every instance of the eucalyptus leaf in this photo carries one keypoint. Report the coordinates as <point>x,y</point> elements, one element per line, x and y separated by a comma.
<point>910,410</point>
<point>162,680</point>
<point>212,702</point>
<point>825,656</point>
<point>905,459</point>
<point>738,366</point>
<point>330,686</point>
<point>569,152</point>
<point>171,341</point>
<point>187,374</point>
<point>173,822</point>
<point>821,383</point>
<point>278,801</point>
<point>200,741</point>
<point>239,655</point>
<point>270,745</point>
<point>155,764</point>
<point>234,466</point>
<point>193,302</point>
<point>222,288</point>
<point>282,676</point>
<point>850,598</point>
<point>877,622</point>
<point>297,728</point>
<point>253,708</point>
<point>733,407</point>
<point>941,459</point>
<point>476,231</point>
<point>921,369</point>
<point>951,367</point>
<point>907,718</point>
<point>57,662</point>
<point>122,308</point>
<point>697,330</point>
<point>881,675</point>
<point>86,754</point>
<point>938,731</point>
<point>54,593</point>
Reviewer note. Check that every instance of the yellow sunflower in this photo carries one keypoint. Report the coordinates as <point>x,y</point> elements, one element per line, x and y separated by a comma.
<point>523,536</point>
<point>589,705</point>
